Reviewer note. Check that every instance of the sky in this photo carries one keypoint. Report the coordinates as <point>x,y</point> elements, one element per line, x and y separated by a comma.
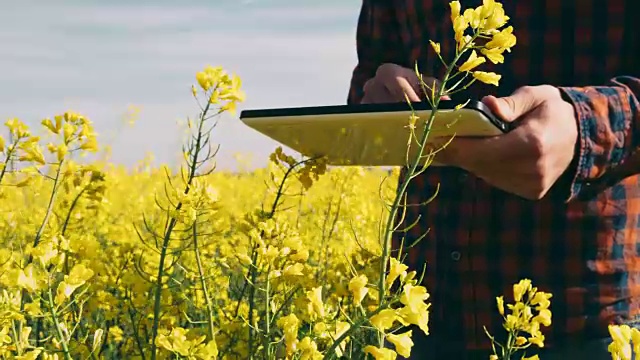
<point>100,57</point>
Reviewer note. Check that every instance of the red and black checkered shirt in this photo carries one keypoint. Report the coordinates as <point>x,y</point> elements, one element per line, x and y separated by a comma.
<point>581,241</point>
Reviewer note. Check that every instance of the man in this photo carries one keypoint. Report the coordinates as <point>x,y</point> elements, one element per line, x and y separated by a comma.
<point>557,200</point>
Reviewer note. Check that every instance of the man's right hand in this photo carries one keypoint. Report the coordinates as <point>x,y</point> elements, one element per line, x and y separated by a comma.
<point>391,83</point>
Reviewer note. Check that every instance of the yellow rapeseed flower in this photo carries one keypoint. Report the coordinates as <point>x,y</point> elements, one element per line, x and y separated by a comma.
<point>396,269</point>
<point>402,343</point>
<point>289,325</point>
<point>384,319</point>
<point>419,318</point>
<point>500,302</point>
<point>315,298</point>
<point>494,55</point>
<point>294,270</point>
<point>503,39</point>
<point>635,340</point>
<point>414,297</point>
<point>474,17</point>
<point>455,10</point>
<point>17,128</point>
<point>520,289</point>
<point>309,349</point>
<point>32,153</point>
<point>473,62</point>
<point>49,125</point>
<point>435,46</point>
<point>358,288</point>
<point>620,347</point>
<point>29,278</point>
<point>490,78</point>
<point>496,20</point>
<point>77,277</point>
<point>460,24</point>
<point>380,353</point>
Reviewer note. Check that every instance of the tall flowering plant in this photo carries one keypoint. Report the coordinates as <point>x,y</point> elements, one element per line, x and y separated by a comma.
<point>481,35</point>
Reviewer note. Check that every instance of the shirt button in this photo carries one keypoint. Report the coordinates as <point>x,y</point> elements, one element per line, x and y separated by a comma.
<point>455,255</point>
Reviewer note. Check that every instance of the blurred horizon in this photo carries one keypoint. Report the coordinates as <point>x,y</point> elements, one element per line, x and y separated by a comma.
<point>100,58</point>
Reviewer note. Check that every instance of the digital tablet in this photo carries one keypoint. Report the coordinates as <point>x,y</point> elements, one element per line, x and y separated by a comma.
<point>369,134</point>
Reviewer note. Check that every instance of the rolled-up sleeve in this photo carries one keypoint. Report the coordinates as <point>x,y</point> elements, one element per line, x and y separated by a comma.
<point>608,123</point>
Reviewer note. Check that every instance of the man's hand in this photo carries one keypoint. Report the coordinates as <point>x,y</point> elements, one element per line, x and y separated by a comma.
<point>528,160</point>
<point>390,84</point>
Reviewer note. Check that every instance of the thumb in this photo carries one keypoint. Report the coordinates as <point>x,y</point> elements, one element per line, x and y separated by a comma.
<point>510,108</point>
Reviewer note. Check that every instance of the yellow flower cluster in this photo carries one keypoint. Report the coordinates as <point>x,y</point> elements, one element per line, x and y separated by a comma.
<point>180,342</point>
<point>412,309</point>
<point>523,324</point>
<point>484,23</point>
<point>310,171</point>
<point>625,343</point>
<point>220,88</point>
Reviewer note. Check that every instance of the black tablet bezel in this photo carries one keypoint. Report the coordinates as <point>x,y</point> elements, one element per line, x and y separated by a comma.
<point>365,108</point>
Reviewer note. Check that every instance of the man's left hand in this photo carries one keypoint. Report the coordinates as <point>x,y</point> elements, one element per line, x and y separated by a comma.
<point>528,160</point>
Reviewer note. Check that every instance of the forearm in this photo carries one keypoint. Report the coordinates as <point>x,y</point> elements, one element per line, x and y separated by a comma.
<point>608,119</point>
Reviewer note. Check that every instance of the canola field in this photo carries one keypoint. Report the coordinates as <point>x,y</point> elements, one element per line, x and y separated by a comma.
<point>99,258</point>
<point>102,262</point>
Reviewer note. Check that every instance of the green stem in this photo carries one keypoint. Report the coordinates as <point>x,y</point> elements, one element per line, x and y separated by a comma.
<point>59,333</point>
<point>390,228</point>
<point>203,283</point>
<point>52,199</point>
<point>465,87</point>
<point>17,338</point>
<point>25,294</point>
<point>6,160</point>
<point>136,335</point>
<point>267,316</point>
<point>252,292</point>
<point>167,236</point>
<point>67,219</point>
<point>66,268</point>
<point>355,326</point>
<point>280,192</point>
<point>506,351</point>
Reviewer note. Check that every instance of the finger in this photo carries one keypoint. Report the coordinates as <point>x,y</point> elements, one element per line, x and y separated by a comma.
<point>368,85</point>
<point>375,93</point>
<point>366,92</point>
<point>512,107</point>
<point>399,86</point>
<point>401,82</point>
<point>465,153</point>
<point>481,162</point>
<point>476,154</point>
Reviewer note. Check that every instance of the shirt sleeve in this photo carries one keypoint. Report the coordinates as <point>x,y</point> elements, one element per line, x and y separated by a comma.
<point>378,41</point>
<point>608,125</point>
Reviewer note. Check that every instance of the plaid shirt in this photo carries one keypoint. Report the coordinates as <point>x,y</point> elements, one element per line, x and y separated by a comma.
<point>582,240</point>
